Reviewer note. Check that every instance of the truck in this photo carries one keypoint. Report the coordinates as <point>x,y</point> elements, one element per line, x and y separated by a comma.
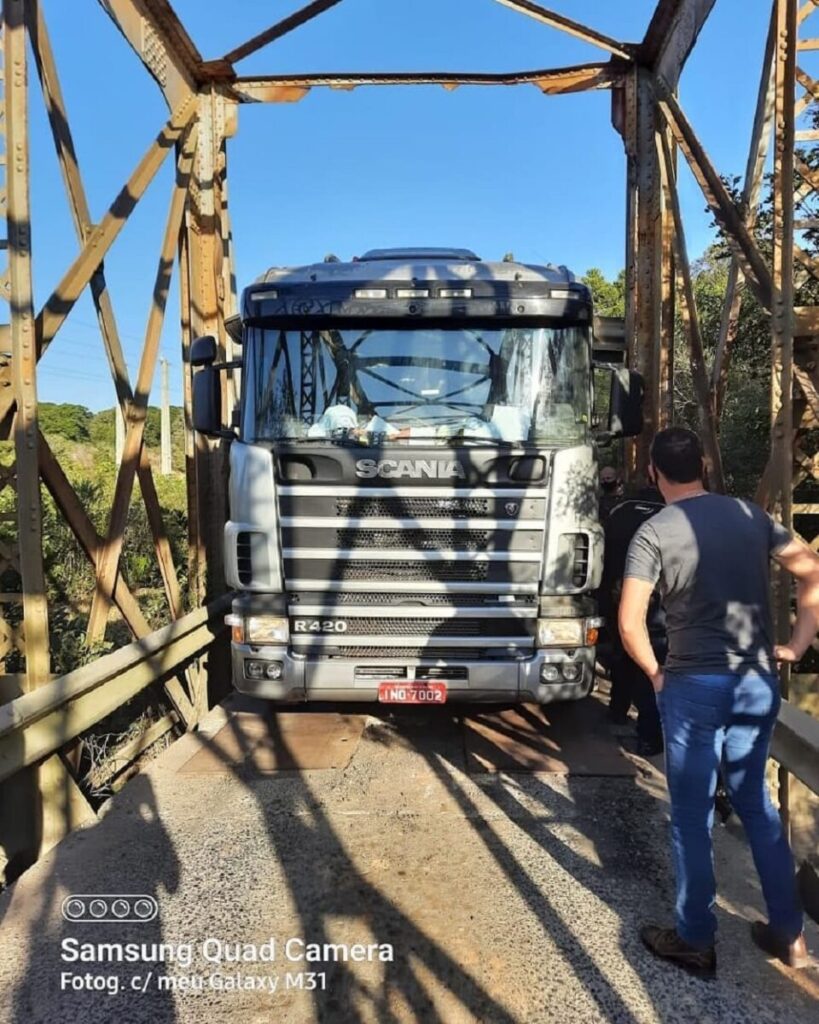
<point>413,479</point>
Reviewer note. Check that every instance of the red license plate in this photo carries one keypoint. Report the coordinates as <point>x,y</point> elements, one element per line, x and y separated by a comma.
<point>426,692</point>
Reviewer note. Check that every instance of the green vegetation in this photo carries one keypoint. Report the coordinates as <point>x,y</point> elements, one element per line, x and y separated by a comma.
<point>68,421</point>
<point>745,421</point>
<point>84,443</point>
<point>609,296</point>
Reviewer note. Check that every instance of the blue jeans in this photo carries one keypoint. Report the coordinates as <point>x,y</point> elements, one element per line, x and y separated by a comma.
<point>728,719</point>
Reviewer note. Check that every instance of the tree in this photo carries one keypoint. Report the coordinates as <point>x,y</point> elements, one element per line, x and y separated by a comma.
<point>609,297</point>
<point>744,424</point>
<point>65,420</point>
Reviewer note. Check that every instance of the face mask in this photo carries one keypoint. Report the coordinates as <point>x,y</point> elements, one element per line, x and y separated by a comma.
<point>609,486</point>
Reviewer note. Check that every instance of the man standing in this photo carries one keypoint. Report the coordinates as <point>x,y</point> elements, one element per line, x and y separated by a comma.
<point>719,692</point>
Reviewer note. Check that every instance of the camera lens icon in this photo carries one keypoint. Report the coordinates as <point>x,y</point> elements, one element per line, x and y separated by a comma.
<point>74,909</point>
<point>145,909</point>
<point>118,907</point>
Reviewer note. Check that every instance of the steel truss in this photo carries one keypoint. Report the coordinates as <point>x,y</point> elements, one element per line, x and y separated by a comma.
<point>203,97</point>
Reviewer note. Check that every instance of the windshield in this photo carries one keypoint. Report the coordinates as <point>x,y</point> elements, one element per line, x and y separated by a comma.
<point>510,384</point>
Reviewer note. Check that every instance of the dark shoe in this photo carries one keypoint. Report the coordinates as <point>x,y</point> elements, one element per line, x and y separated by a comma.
<point>792,954</point>
<point>617,718</point>
<point>666,944</point>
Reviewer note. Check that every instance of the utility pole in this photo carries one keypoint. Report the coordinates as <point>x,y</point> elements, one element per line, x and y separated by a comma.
<point>119,423</point>
<point>165,423</point>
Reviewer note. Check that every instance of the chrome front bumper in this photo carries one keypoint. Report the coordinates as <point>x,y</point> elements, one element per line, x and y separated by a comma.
<point>332,679</point>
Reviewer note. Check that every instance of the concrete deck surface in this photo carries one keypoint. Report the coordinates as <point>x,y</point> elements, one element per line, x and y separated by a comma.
<point>505,897</point>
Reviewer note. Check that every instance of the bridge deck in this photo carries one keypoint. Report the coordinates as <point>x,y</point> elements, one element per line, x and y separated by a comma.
<point>506,897</point>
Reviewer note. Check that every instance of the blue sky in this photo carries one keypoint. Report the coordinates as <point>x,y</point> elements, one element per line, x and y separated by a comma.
<point>495,169</point>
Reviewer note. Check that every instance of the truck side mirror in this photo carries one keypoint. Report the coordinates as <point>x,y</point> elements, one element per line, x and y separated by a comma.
<point>207,401</point>
<point>203,351</point>
<point>626,403</point>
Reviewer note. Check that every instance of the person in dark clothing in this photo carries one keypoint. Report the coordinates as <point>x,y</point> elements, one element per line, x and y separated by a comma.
<point>611,488</point>
<point>629,684</point>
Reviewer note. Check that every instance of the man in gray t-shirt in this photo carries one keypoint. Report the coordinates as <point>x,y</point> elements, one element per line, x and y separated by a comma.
<point>709,557</point>
<point>718,695</point>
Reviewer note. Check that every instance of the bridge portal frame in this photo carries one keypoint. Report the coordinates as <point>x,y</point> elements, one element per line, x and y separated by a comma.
<point>203,97</point>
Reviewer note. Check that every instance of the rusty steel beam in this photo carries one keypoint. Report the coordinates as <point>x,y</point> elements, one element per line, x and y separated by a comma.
<point>24,344</point>
<point>716,195</point>
<point>552,81</point>
<point>572,28</point>
<point>99,241</point>
<point>671,35</point>
<point>782,309</point>
<point>281,28</point>
<point>66,500</point>
<point>782,326</point>
<point>691,323</point>
<point>208,298</point>
<point>161,43</point>
<point>108,564</point>
<point>752,188</point>
<point>805,10</point>
<point>667,298</point>
<point>644,256</point>
<point>196,552</point>
<point>78,203</point>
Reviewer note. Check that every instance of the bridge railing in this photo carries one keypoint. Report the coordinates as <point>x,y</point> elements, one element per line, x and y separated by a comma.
<point>795,744</point>
<point>42,721</point>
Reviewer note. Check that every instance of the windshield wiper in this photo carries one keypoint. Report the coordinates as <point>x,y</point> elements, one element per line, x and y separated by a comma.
<point>491,442</point>
<point>340,440</point>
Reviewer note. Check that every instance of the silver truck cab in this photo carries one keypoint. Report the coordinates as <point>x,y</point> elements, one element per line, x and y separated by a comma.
<point>413,482</point>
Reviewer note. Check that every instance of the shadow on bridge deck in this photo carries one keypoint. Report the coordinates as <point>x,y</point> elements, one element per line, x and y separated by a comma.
<point>507,897</point>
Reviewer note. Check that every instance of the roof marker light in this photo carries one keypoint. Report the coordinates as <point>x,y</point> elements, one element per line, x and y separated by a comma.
<point>271,293</point>
<point>371,293</point>
<point>412,293</point>
<point>455,293</point>
<point>563,293</point>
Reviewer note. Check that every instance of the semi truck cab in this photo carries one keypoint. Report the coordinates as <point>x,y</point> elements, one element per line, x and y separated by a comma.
<point>413,479</point>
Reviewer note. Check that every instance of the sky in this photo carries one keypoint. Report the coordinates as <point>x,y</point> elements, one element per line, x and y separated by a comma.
<point>494,169</point>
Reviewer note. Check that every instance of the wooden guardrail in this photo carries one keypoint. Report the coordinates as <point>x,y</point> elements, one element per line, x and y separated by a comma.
<point>38,723</point>
<point>795,744</point>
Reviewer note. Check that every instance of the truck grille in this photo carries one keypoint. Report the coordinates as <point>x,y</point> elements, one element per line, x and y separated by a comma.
<point>393,574</point>
<point>419,653</point>
<point>417,540</point>
<point>413,508</point>
<point>393,627</point>
<point>354,597</point>
<point>430,572</point>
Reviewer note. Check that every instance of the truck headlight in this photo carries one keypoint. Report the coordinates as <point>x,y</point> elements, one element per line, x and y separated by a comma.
<point>266,629</point>
<point>560,632</point>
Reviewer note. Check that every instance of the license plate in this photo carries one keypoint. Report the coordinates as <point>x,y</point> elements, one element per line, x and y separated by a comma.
<point>412,693</point>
